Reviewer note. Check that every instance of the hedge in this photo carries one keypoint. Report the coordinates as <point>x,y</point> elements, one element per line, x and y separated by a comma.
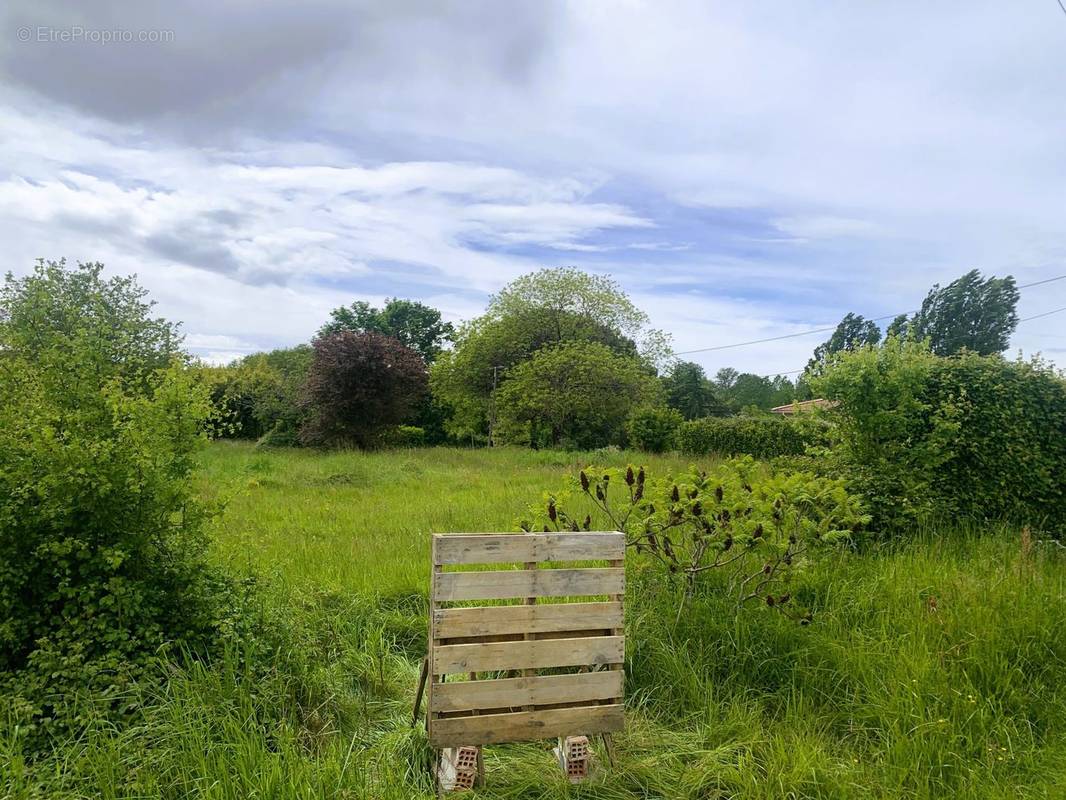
<point>762,437</point>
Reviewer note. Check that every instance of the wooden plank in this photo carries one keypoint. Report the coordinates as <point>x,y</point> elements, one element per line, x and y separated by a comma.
<point>535,691</point>
<point>524,726</point>
<point>504,585</point>
<point>449,623</point>
<point>536,654</point>
<point>514,548</point>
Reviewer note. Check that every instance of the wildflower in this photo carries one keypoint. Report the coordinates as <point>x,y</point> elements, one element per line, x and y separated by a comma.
<point>675,495</point>
<point>552,514</point>
<point>719,494</point>
<point>584,481</point>
<point>629,476</point>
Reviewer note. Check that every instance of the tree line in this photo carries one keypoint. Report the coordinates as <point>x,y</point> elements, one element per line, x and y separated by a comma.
<point>559,358</point>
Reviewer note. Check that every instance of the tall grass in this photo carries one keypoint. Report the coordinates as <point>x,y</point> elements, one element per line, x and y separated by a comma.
<point>933,668</point>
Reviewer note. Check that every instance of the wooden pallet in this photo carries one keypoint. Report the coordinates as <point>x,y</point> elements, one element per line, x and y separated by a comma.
<point>486,663</point>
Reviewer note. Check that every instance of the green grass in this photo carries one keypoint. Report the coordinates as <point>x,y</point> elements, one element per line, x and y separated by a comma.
<point>935,668</point>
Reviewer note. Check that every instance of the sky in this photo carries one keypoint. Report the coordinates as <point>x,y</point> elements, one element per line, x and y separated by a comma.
<point>742,170</point>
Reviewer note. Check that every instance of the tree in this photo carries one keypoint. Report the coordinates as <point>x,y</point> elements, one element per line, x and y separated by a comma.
<point>969,313</point>
<point>852,332</point>
<point>359,385</point>
<point>690,392</point>
<point>539,310</point>
<point>102,543</point>
<point>575,394</point>
<point>414,324</point>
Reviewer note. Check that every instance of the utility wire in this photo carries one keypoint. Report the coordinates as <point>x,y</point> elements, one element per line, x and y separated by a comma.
<point>1023,319</point>
<point>830,328</point>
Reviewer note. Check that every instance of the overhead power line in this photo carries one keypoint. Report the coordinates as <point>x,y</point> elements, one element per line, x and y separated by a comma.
<point>834,327</point>
<point>1023,319</point>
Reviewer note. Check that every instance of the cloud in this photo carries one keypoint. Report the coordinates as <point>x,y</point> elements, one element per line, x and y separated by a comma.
<point>743,171</point>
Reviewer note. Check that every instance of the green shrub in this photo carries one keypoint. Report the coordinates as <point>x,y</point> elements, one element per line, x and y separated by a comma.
<point>101,536</point>
<point>971,436</point>
<point>653,429</point>
<point>761,437</point>
<point>283,434</point>
<point>408,436</point>
<point>752,525</point>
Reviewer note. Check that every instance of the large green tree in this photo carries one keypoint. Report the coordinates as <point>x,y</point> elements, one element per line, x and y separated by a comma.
<point>852,332</point>
<point>415,324</point>
<point>970,313</point>
<point>539,310</point>
<point>690,391</point>
<point>574,394</point>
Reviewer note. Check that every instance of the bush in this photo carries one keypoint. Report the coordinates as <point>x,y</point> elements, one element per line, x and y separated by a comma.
<point>750,524</point>
<point>359,386</point>
<point>761,437</point>
<point>101,534</point>
<point>972,436</point>
<point>575,395</point>
<point>654,429</point>
<point>408,436</point>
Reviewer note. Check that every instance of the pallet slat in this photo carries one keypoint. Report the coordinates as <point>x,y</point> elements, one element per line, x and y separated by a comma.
<point>450,623</point>
<point>582,687</point>
<point>514,548</point>
<point>506,585</point>
<point>532,654</point>
<point>524,726</point>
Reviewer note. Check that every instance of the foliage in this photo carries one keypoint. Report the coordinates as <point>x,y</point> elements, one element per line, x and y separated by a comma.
<point>740,389</point>
<point>539,310</point>
<point>753,524</point>
<point>360,385</point>
<point>101,535</point>
<point>260,393</point>
<point>970,313</point>
<point>573,395</point>
<point>852,332</point>
<point>762,436</point>
<point>408,436</point>
<point>975,436</point>
<point>653,428</point>
<point>690,392</point>
<point>414,324</point>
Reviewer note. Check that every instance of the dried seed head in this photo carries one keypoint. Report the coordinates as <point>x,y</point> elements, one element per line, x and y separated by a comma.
<point>588,522</point>
<point>584,481</point>
<point>639,493</point>
<point>770,600</point>
<point>758,531</point>
<point>640,476</point>
<point>599,493</point>
<point>552,513</point>
<point>606,478</point>
<point>697,509</point>
<point>629,476</point>
<point>675,495</point>
<point>766,570</point>
<point>727,543</point>
<point>719,494</point>
<point>693,493</point>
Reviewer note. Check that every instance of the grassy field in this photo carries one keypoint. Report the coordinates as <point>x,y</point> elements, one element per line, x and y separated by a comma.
<point>934,668</point>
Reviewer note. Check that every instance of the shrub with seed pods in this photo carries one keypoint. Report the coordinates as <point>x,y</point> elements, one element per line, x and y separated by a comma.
<point>785,518</point>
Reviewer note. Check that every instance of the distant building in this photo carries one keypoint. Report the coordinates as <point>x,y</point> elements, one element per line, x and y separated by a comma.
<point>805,405</point>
